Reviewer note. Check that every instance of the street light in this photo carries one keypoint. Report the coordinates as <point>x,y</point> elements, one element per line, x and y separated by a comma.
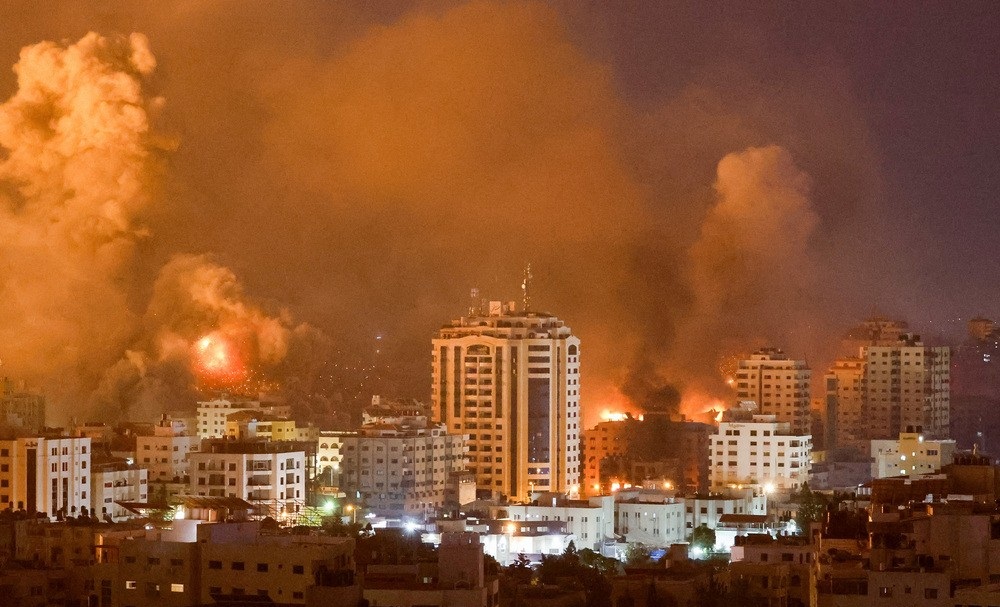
<point>354,513</point>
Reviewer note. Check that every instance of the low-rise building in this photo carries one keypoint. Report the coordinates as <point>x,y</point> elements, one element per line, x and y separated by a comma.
<point>591,522</point>
<point>911,454</point>
<point>114,482</point>
<point>270,475</point>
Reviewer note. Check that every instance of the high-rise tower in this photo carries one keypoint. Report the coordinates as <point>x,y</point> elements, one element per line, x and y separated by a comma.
<point>778,385</point>
<point>511,381</point>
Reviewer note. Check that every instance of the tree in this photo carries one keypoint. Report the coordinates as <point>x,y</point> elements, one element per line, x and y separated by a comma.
<point>811,508</point>
<point>636,554</point>
<point>703,537</point>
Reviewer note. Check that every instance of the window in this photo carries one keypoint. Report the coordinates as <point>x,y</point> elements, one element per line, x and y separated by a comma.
<point>238,565</point>
<point>298,569</point>
<point>262,567</point>
<point>130,585</point>
<point>930,593</point>
<point>215,564</point>
<point>885,592</point>
<point>177,588</point>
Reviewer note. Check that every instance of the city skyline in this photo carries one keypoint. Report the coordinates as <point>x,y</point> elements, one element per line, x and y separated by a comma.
<point>683,197</point>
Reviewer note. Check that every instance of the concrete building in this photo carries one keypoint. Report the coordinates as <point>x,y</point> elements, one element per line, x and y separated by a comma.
<point>511,381</point>
<point>165,453</point>
<point>458,579</point>
<point>50,475</point>
<point>114,482</point>
<point>400,471</point>
<point>269,475</point>
<point>757,450</point>
<point>906,385</point>
<point>651,518</point>
<point>911,454</point>
<point>591,522</point>
<point>212,414</point>
<point>846,425</point>
<point>669,452</point>
<point>329,456</point>
<point>21,408</point>
<point>794,557</point>
<point>778,385</point>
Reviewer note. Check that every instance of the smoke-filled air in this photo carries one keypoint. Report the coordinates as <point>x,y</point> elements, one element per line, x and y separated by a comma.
<point>194,200</point>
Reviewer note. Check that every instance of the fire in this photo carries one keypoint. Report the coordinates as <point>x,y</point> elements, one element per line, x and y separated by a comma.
<point>216,360</point>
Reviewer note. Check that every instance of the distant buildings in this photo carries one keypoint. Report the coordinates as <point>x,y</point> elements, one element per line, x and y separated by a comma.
<point>755,449</point>
<point>778,385</point>
<point>891,382</point>
<point>511,381</point>
<point>21,408</point>
<point>911,454</point>
<point>213,414</point>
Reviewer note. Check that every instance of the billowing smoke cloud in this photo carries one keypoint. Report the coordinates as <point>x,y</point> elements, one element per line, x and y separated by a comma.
<point>365,168</point>
<point>81,165</point>
<point>78,161</point>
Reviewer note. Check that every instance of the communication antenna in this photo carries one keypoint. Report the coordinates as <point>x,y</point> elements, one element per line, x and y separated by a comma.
<point>526,288</point>
<point>473,300</point>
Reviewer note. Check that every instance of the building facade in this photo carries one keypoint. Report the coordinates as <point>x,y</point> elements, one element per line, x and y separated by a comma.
<point>754,449</point>
<point>778,385</point>
<point>911,454</point>
<point>907,384</point>
<point>401,471</point>
<point>269,475</point>
<point>49,475</point>
<point>511,381</point>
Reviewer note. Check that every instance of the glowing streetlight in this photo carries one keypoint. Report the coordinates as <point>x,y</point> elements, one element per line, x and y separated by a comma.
<point>354,513</point>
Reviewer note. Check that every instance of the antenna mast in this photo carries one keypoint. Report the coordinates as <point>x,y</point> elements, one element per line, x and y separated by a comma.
<point>526,288</point>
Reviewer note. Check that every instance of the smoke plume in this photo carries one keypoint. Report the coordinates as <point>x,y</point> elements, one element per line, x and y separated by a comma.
<point>362,166</point>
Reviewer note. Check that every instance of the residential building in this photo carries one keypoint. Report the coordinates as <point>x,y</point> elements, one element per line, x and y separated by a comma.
<point>49,475</point>
<point>846,425</point>
<point>511,381</point>
<point>778,385</point>
<point>911,454</point>
<point>906,385</point>
<point>399,470</point>
<point>115,482</point>
<point>591,522</point>
<point>165,453</point>
<point>21,408</point>
<point>270,475</point>
<point>212,414</point>
<point>757,450</point>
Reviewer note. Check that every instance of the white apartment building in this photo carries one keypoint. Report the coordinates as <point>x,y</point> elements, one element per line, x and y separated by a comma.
<point>511,381</point>
<point>910,455</point>
<point>907,385</point>
<point>50,475</point>
<point>269,475</point>
<point>651,518</point>
<point>753,449</point>
<point>212,414</point>
<point>778,385</point>
<point>401,471</point>
<point>165,453</point>
<point>116,482</point>
<point>590,521</point>
<point>329,454</point>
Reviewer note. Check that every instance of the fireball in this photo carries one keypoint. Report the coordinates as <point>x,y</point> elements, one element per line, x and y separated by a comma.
<point>217,361</point>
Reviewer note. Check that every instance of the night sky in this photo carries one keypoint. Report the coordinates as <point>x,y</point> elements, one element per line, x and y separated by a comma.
<point>689,180</point>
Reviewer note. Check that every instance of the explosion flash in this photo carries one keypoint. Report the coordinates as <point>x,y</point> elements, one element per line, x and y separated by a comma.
<point>217,362</point>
